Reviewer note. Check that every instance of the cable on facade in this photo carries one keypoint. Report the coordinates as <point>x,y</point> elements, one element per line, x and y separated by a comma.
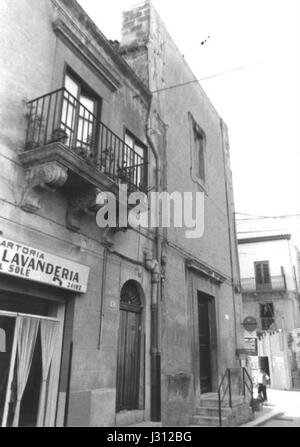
<point>256,217</point>
<point>205,78</point>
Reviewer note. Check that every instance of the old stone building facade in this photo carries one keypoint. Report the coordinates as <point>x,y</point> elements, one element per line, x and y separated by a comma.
<point>117,325</point>
<point>269,266</point>
<point>201,275</point>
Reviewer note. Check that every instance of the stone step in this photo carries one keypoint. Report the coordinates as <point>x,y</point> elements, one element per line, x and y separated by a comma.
<point>212,411</point>
<point>211,400</point>
<point>209,421</point>
<point>145,424</point>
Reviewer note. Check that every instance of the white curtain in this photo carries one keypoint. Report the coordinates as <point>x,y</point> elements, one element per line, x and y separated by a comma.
<point>26,338</point>
<point>49,333</point>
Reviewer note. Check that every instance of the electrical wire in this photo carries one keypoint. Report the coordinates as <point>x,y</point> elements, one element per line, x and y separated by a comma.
<point>258,217</point>
<point>204,79</point>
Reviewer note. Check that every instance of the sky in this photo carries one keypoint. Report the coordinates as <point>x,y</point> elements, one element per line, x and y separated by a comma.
<point>260,104</point>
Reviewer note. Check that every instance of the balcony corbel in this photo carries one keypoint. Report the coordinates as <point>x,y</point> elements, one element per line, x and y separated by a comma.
<point>80,204</point>
<point>40,179</point>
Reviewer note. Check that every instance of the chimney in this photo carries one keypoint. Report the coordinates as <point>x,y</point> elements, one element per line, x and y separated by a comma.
<point>136,26</point>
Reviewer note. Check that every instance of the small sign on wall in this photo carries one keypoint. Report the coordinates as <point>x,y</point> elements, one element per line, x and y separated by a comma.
<point>250,345</point>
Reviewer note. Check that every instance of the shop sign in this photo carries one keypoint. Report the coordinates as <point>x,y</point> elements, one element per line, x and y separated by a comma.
<point>250,346</point>
<point>36,265</point>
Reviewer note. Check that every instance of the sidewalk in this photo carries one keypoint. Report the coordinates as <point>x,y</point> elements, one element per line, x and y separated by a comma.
<point>263,416</point>
<point>281,403</point>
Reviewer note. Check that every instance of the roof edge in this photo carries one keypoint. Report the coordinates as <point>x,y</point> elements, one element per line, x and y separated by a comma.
<point>277,237</point>
<point>117,58</point>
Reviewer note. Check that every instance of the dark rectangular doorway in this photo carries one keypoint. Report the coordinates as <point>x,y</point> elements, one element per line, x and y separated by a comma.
<point>205,304</point>
<point>264,364</point>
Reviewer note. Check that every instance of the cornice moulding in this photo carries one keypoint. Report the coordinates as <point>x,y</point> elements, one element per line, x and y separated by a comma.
<point>192,264</point>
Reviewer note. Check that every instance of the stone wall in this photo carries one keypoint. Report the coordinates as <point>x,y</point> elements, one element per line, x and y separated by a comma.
<point>150,50</point>
<point>34,57</point>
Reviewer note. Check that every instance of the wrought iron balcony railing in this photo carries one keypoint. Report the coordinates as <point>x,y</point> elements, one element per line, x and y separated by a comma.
<point>277,283</point>
<point>59,117</point>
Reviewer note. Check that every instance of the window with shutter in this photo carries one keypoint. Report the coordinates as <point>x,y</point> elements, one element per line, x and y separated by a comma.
<point>199,152</point>
<point>262,274</point>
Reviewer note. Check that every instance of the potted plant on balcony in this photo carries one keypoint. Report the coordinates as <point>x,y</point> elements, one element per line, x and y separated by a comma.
<point>107,161</point>
<point>87,149</point>
<point>60,135</point>
<point>125,173</point>
<point>36,129</point>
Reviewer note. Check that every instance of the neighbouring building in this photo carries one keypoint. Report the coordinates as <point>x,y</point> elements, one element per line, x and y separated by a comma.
<point>200,303</point>
<point>107,327</point>
<point>270,288</point>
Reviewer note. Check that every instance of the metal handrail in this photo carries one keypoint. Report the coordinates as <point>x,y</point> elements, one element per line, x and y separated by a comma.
<point>227,375</point>
<point>59,116</point>
<point>246,384</point>
<point>249,387</point>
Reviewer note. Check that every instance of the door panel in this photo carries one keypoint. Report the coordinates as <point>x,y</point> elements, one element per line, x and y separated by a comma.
<point>128,367</point>
<point>204,344</point>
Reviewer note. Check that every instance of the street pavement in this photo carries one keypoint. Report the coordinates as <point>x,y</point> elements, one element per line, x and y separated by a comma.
<point>288,404</point>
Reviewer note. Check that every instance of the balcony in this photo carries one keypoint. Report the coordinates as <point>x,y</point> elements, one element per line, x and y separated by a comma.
<point>68,147</point>
<point>277,283</point>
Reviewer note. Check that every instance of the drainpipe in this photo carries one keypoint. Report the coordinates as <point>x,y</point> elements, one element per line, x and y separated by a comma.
<point>154,267</point>
<point>104,267</point>
<point>229,216</point>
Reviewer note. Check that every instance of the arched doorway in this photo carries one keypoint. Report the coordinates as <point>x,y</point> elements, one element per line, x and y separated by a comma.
<point>129,348</point>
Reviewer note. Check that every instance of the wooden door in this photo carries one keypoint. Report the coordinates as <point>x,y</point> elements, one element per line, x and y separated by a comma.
<point>128,361</point>
<point>204,343</point>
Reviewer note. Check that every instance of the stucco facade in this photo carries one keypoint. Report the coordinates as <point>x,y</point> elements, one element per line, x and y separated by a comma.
<point>282,257</point>
<point>41,40</point>
<point>206,265</point>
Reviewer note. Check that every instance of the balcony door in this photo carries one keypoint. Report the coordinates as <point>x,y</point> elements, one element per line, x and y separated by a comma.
<point>79,113</point>
<point>262,275</point>
<point>134,162</point>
